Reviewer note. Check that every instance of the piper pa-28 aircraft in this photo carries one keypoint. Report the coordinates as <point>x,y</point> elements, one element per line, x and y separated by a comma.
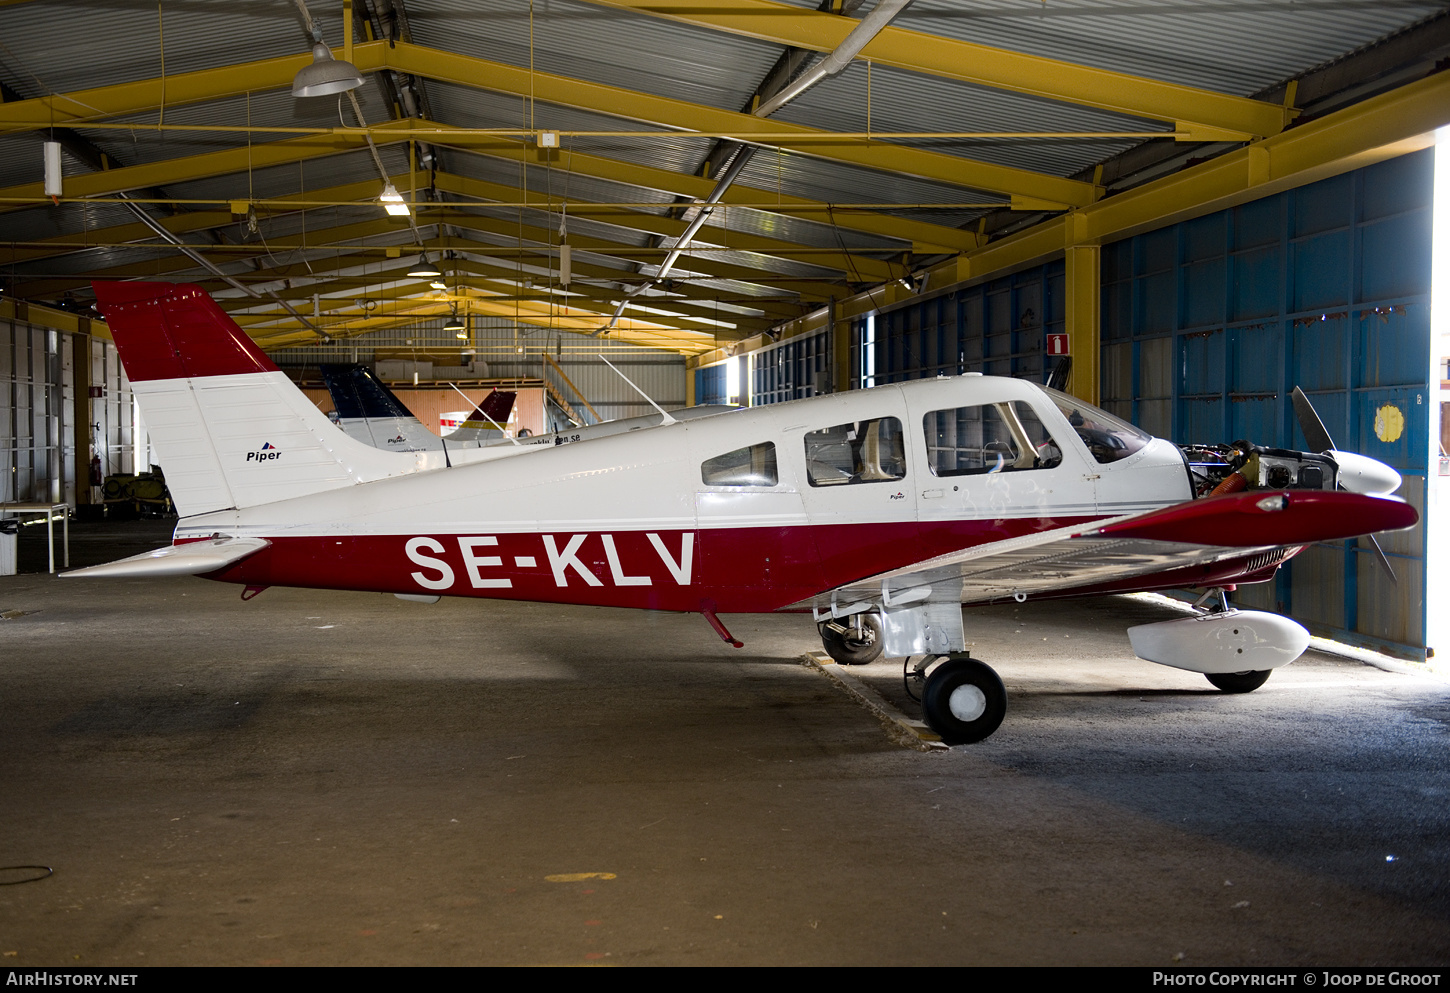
<point>881,511</point>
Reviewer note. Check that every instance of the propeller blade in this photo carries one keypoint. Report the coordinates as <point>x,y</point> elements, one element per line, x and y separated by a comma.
<point>1058,379</point>
<point>1383,559</point>
<point>1315,433</point>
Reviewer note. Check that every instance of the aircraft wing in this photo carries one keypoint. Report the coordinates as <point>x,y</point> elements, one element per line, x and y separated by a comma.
<point>1196,533</point>
<point>191,559</point>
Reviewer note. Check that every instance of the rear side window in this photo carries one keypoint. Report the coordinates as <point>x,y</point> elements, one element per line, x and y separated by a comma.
<point>753,466</point>
<point>991,437</point>
<point>859,452</point>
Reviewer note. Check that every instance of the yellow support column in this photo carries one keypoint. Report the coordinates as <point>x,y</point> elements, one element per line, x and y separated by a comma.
<point>1084,320</point>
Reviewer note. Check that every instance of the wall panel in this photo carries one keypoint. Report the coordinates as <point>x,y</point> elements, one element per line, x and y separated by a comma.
<point>1326,287</point>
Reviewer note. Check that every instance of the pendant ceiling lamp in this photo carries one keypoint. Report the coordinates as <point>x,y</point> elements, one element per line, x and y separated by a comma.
<point>326,75</point>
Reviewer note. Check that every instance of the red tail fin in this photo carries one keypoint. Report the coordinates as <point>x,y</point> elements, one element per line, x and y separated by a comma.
<point>498,404</point>
<point>175,331</point>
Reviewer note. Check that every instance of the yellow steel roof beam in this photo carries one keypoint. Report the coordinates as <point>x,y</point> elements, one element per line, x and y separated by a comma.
<point>207,164</point>
<point>183,223</point>
<point>699,318</point>
<point>580,303</point>
<point>862,268</point>
<point>462,70</point>
<point>211,84</point>
<point>926,238</point>
<point>690,314</point>
<point>802,27</point>
<point>807,287</point>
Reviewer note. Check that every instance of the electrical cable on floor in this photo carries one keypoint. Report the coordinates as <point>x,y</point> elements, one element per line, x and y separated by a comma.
<point>44,871</point>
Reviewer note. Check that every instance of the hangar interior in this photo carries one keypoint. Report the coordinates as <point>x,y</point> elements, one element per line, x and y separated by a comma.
<point>1213,205</point>
<point>1200,203</point>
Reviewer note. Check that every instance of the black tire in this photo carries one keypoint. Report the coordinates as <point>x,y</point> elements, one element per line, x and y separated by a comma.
<point>851,651</point>
<point>978,694</point>
<point>1239,682</point>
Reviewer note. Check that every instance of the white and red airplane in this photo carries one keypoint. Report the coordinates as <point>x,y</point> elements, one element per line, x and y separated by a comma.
<point>881,511</point>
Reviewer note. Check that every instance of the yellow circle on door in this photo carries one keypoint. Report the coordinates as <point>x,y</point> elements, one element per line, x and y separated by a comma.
<point>1389,423</point>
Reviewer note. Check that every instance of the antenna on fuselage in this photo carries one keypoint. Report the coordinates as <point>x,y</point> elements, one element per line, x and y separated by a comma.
<point>667,418</point>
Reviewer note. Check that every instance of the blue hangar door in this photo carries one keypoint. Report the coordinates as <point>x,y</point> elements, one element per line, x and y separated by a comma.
<point>1207,325</point>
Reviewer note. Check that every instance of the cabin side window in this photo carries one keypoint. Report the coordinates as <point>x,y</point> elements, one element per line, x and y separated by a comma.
<point>1107,438</point>
<point>753,466</point>
<point>991,437</point>
<point>859,452</point>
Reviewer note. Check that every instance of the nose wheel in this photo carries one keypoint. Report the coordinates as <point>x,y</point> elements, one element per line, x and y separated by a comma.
<point>964,700</point>
<point>855,640</point>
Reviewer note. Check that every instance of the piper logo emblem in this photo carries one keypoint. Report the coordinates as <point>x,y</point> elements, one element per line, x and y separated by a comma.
<point>267,452</point>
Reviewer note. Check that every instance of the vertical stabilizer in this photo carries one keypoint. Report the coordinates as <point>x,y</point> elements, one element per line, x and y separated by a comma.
<point>369,412</point>
<point>231,429</point>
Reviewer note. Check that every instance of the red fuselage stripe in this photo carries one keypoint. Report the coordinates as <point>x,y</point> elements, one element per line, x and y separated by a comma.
<point>743,570</point>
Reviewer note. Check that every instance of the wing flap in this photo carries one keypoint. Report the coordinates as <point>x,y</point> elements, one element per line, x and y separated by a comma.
<point>191,559</point>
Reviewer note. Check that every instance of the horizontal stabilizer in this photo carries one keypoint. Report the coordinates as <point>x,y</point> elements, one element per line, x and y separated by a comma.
<point>191,559</point>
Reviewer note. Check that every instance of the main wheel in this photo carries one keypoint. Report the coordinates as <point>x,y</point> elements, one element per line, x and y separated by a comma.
<point>850,650</point>
<point>964,701</point>
<point>1239,682</point>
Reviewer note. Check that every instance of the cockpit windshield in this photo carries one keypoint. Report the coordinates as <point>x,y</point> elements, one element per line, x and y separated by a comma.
<point>1108,438</point>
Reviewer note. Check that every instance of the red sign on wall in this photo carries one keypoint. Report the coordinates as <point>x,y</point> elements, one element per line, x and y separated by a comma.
<point>1057,344</point>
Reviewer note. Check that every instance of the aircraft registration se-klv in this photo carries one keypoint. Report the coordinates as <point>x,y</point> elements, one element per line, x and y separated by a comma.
<point>881,511</point>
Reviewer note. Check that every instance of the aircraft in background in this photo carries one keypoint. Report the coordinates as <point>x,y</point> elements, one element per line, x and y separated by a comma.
<point>371,413</point>
<point>880,511</point>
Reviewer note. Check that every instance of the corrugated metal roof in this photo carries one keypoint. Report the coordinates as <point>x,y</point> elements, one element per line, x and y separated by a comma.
<point>1227,45</point>
<point>478,108</point>
<point>57,46</point>
<point>1236,46</point>
<point>909,101</point>
<point>600,45</point>
<point>796,174</point>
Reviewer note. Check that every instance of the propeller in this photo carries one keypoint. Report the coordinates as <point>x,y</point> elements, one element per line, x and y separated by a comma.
<point>1058,379</point>
<point>1357,473</point>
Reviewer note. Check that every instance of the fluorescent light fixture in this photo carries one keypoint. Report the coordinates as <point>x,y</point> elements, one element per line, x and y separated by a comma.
<point>392,202</point>
<point>326,75</point>
<point>53,176</point>
<point>424,267</point>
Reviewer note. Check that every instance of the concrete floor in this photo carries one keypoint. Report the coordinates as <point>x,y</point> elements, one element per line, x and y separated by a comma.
<point>333,778</point>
